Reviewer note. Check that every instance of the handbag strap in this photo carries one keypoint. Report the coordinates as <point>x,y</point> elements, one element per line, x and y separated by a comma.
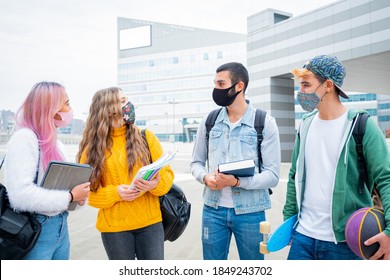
<point>1,165</point>
<point>36,173</point>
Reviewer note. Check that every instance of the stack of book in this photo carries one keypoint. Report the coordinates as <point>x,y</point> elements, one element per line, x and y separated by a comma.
<point>148,172</point>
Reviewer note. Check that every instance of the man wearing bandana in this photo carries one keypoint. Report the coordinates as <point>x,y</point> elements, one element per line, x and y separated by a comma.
<point>323,187</point>
<point>234,205</point>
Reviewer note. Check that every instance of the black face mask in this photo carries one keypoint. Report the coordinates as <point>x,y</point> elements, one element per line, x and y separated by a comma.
<point>223,97</point>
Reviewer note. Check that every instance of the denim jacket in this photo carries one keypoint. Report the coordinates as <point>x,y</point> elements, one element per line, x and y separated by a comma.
<point>240,143</point>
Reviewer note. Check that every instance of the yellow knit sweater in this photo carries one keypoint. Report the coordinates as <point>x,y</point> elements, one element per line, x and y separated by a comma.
<point>115,214</point>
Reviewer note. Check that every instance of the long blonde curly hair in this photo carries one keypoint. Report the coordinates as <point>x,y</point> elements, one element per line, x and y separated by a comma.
<point>97,140</point>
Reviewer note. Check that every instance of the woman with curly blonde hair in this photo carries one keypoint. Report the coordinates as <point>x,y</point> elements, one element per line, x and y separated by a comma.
<point>129,220</point>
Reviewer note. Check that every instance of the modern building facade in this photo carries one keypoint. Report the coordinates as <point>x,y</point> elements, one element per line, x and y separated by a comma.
<point>356,31</point>
<point>169,72</point>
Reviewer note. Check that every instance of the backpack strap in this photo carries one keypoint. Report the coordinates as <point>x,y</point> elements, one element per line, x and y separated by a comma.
<point>143,132</point>
<point>259,126</point>
<point>1,165</point>
<point>36,172</point>
<point>358,134</point>
<point>210,121</point>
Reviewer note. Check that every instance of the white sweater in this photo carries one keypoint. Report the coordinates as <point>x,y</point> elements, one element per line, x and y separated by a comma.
<point>20,169</point>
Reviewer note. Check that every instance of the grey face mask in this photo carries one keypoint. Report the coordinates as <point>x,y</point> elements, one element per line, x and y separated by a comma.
<point>309,101</point>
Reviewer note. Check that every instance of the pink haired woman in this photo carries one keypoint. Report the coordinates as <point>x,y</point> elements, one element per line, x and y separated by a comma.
<point>29,151</point>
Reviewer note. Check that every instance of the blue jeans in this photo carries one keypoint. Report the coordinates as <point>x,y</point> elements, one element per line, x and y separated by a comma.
<point>307,248</point>
<point>218,226</point>
<point>144,244</point>
<point>53,242</point>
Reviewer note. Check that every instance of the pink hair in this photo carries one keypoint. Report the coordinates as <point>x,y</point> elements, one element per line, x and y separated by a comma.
<point>37,113</point>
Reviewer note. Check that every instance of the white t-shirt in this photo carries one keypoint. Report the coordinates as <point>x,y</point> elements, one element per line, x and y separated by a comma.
<point>226,199</point>
<point>321,156</point>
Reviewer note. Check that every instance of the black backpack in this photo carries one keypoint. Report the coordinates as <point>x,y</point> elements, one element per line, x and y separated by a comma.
<point>259,126</point>
<point>358,134</point>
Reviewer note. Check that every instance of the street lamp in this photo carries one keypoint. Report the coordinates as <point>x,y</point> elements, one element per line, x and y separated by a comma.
<point>173,102</point>
<point>166,126</point>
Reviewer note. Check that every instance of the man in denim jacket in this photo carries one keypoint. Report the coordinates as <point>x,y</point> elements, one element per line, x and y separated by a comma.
<point>234,204</point>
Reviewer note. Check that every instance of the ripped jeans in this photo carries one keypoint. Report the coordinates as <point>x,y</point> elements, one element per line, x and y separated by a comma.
<point>218,226</point>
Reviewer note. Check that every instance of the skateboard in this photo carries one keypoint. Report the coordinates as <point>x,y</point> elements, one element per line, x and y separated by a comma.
<point>280,238</point>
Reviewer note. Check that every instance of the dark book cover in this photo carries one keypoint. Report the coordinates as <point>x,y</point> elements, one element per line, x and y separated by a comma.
<point>239,168</point>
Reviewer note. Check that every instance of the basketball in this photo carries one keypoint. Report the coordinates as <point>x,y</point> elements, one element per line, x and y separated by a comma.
<point>362,225</point>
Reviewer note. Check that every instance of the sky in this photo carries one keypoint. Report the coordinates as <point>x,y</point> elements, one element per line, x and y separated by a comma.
<point>74,42</point>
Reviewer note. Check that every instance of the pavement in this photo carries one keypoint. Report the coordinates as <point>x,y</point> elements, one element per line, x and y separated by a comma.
<point>85,239</point>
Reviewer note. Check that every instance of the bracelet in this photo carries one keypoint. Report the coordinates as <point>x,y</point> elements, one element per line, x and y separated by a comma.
<point>238,181</point>
<point>71,197</point>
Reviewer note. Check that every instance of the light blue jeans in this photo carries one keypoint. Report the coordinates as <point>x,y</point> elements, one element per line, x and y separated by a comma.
<point>53,242</point>
<point>307,248</point>
<point>218,226</point>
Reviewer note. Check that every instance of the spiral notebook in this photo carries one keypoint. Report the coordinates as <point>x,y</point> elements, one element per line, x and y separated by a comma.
<point>65,176</point>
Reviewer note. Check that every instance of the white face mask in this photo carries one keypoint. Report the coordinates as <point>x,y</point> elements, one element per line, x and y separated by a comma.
<point>66,118</point>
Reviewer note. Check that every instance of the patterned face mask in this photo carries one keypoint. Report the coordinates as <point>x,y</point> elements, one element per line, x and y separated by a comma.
<point>309,101</point>
<point>128,113</point>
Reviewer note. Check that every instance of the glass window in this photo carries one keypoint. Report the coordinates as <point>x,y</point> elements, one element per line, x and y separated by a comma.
<point>384,118</point>
<point>175,60</point>
<point>384,106</point>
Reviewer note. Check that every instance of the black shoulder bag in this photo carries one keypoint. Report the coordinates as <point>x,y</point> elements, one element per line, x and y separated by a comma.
<point>19,231</point>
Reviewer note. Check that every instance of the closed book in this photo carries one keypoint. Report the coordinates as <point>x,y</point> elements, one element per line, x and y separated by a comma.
<point>239,168</point>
